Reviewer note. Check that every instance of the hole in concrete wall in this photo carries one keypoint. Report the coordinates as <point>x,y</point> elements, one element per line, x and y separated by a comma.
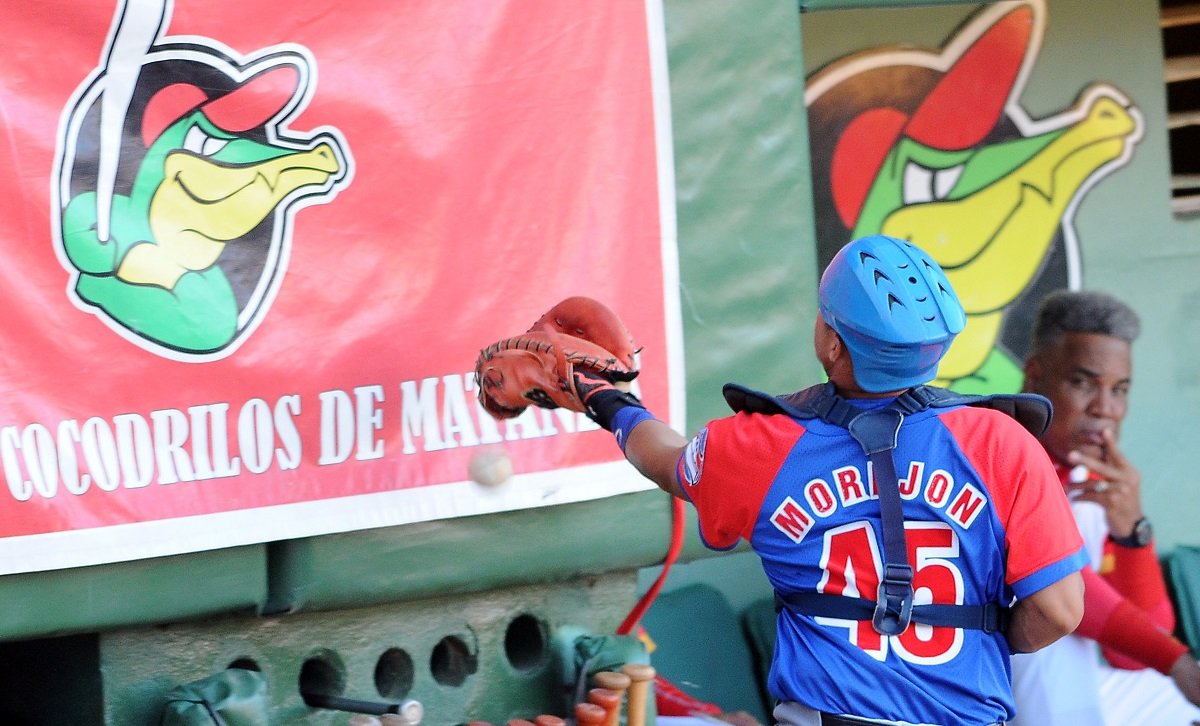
<point>525,643</point>
<point>323,675</point>
<point>451,662</point>
<point>246,664</point>
<point>394,673</point>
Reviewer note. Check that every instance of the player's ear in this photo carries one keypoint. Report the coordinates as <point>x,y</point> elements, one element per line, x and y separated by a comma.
<point>1033,374</point>
<point>837,347</point>
<point>834,356</point>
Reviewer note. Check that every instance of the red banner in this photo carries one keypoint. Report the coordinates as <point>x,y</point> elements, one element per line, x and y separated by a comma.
<point>256,246</point>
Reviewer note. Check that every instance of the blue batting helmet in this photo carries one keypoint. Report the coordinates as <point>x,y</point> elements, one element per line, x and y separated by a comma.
<point>893,308</point>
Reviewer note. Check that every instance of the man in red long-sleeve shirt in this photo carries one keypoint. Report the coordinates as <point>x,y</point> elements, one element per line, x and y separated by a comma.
<point>1082,361</point>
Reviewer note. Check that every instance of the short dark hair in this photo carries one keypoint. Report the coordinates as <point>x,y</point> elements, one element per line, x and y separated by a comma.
<point>1067,311</point>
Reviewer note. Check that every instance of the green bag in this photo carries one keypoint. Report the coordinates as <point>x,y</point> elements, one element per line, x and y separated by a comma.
<point>582,654</point>
<point>1183,578</point>
<point>233,697</point>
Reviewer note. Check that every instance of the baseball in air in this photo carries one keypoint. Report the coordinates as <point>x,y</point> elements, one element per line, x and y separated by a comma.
<point>490,467</point>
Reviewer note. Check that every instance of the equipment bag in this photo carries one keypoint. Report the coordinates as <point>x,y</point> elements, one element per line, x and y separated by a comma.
<point>233,697</point>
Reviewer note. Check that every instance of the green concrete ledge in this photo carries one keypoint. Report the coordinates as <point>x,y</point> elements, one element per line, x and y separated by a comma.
<point>352,569</point>
<point>470,554</point>
<point>141,592</point>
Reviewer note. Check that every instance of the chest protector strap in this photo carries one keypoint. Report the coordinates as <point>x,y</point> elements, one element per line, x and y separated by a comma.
<point>877,431</point>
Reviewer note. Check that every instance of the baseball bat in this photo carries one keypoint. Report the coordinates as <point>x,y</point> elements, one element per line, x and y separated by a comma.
<point>616,682</point>
<point>339,703</point>
<point>610,701</point>
<point>641,675</point>
<point>589,714</point>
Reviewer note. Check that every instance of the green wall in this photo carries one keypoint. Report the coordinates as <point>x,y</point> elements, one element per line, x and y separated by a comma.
<point>743,198</point>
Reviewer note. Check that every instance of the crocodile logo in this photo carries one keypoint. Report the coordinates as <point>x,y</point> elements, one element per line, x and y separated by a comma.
<point>178,180</point>
<point>934,148</point>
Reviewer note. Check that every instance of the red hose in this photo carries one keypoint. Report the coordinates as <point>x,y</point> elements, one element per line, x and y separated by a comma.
<point>643,604</point>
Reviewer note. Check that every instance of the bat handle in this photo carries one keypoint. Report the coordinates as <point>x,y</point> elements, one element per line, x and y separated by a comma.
<point>616,682</point>
<point>412,712</point>
<point>589,714</point>
<point>641,676</point>
<point>610,701</point>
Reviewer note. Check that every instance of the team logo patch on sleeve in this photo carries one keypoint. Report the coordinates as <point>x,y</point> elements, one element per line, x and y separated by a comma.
<point>693,458</point>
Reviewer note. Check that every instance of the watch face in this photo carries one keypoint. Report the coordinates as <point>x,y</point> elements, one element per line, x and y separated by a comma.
<point>1143,532</point>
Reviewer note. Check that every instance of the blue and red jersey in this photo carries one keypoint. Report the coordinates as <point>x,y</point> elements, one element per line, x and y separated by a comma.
<point>986,520</point>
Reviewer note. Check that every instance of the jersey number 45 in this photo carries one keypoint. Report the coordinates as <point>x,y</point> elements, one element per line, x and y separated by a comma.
<point>851,562</point>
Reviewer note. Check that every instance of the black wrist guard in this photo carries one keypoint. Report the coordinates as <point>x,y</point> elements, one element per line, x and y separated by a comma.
<point>604,404</point>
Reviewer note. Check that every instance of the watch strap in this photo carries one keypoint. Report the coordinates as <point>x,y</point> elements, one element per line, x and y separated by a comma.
<point>1140,537</point>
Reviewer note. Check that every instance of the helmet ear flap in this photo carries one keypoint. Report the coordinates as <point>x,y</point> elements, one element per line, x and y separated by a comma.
<point>894,309</point>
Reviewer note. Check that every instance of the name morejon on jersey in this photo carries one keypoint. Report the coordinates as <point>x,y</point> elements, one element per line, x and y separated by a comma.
<point>847,487</point>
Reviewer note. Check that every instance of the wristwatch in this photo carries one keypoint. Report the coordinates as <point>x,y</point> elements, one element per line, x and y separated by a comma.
<point>1142,534</point>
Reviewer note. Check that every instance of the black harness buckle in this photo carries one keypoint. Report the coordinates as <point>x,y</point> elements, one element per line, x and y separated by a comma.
<point>894,603</point>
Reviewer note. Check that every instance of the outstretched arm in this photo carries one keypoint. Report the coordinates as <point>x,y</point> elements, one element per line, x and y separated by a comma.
<point>654,450</point>
<point>650,445</point>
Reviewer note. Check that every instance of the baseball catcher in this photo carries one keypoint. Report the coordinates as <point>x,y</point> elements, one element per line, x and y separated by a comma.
<point>915,537</point>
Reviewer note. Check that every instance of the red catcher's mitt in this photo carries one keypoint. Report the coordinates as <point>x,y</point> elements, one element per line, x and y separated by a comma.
<point>577,339</point>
